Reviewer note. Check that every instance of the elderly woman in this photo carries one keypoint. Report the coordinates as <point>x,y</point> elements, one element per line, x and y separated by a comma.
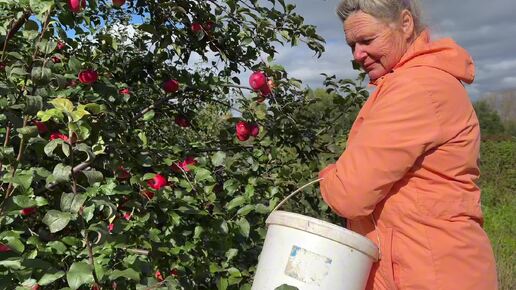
<point>407,177</point>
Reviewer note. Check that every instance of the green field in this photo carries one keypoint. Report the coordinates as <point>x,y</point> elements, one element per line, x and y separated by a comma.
<point>498,184</point>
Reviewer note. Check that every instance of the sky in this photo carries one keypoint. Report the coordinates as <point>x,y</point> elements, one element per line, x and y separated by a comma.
<point>485,28</point>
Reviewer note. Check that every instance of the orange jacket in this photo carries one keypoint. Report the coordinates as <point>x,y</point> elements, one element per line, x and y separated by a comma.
<point>411,162</point>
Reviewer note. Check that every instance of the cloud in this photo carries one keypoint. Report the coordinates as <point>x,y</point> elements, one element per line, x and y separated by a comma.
<point>484,28</point>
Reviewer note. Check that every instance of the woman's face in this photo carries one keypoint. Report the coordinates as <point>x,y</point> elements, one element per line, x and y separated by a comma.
<point>376,45</point>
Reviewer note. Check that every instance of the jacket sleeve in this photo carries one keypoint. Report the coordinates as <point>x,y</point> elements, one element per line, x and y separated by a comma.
<point>401,125</point>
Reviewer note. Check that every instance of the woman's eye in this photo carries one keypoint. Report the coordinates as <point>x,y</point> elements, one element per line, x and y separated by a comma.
<point>367,41</point>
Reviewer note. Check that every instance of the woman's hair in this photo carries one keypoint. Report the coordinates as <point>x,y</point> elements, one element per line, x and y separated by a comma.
<point>387,10</point>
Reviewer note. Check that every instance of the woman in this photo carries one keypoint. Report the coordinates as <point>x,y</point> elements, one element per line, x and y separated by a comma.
<point>407,177</point>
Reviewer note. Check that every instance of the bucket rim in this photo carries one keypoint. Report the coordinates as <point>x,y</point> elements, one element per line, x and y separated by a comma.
<point>324,229</point>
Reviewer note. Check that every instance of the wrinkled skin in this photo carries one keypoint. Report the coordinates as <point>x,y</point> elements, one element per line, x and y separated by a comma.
<point>376,45</point>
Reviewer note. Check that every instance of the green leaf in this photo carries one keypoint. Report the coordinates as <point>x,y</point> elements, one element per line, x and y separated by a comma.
<point>28,131</point>
<point>62,104</point>
<point>244,227</point>
<point>149,115</point>
<point>62,173</point>
<point>202,174</point>
<point>86,149</point>
<point>24,201</point>
<point>235,202</point>
<point>93,108</point>
<point>93,176</point>
<point>49,278</point>
<point>12,263</point>
<point>49,114</point>
<point>65,147</point>
<point>231,253</point>
<point>56,220</point>
<point>245,210</point>
<point>24,179</point>
<point>33,104</point>
<point>15,244</point>
<point>88,212</point>
<point>41,201</point>
<point>80,273</point>
<point>127,273</point>
<point>51,146</point>
<point>71,202</point>
<point>45,46</point>
<point>41,73</point>
<point>79,114</point>
<point>218,158</point>
<point>40,7</point>
<point>74,64</point>
<point>198,231</point>
<point>222,284</point>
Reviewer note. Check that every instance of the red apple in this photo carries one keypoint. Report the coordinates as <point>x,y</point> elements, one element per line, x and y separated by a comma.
<point>265,90</point>
<point>42,127</point>
<point>242,128</point>
<point>242,137</point>
<point>157,182</point>
<point>158,276</point>
<point>124,91</point>
<point>95,287</point>
<point>35,287</point>
<point>28,211</point>
<point>171,86</point>
<point>76,5</point>
<point>56,59</point>
<point>174,272</point>
<point>257,80</point>
<point>184,165</point>
<point>58,135</point>
<point>61,45</point>
<point>127,216</point>
<point>122,173</point>
<point>255,130</point>
<point>4,248</point>
<point>88,76</point>
<point>111,226</point>
<point>182,121</point>
<point>118,3</point>
<point>196,27</point>
<point>2,66</point>
<point>208,25</point>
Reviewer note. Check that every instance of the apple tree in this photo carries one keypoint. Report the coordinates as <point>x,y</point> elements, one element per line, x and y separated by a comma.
<point>144,143</point>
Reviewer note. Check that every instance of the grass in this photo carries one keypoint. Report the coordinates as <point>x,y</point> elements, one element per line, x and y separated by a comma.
<point>498,184</point>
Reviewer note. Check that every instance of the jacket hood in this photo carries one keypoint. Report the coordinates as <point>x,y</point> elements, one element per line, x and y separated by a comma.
<point>443,54</point>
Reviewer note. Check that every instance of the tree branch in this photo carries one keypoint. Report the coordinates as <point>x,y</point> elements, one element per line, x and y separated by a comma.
<point>14,28</point>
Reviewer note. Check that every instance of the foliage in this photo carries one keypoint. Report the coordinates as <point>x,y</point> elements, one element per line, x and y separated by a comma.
<point>78,208</point>
<point>498,184</point>
<point>490,122</point>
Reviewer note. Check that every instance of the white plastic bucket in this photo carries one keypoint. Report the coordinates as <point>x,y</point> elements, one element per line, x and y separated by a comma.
<point>312,254</point>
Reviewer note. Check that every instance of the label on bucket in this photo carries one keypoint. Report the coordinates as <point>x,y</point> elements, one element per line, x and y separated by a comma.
<point>307,266</point>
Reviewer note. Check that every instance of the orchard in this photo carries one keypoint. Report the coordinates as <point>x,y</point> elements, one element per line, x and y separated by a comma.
<point>133,157</point>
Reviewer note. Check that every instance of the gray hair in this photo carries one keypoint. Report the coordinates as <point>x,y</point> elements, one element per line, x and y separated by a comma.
<point>387,10</point>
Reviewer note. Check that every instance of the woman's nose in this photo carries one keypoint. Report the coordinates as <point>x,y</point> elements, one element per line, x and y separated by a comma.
<point>359,53</point>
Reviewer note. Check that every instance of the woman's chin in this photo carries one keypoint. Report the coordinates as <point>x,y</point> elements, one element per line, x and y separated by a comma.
<point>374,75</point>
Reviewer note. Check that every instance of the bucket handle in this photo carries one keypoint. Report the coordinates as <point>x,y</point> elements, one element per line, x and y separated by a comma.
<point>317,180</point>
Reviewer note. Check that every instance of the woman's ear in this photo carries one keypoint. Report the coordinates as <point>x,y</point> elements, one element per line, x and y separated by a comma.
<point>407,24</point>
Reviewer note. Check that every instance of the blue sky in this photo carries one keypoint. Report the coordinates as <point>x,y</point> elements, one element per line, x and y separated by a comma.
<point>487,29</point>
